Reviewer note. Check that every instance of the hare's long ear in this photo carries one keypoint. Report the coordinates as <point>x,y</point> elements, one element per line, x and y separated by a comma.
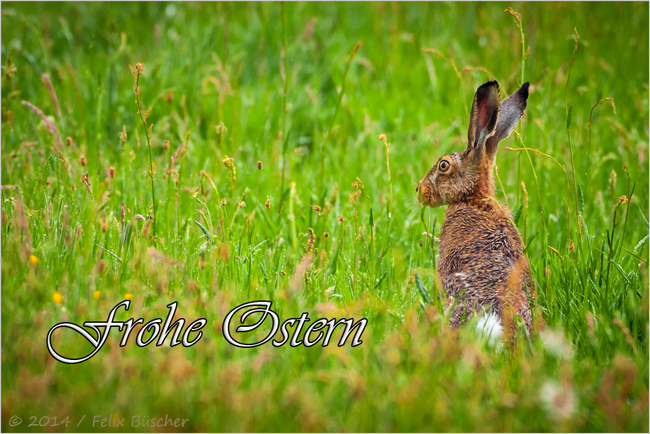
<point>483,120</point>
<point>512,108</point>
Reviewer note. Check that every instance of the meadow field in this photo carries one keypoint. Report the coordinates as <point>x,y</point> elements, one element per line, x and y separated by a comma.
<point>218,153</point>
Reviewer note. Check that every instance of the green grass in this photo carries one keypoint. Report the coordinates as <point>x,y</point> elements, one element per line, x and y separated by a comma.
<point>586,368</point>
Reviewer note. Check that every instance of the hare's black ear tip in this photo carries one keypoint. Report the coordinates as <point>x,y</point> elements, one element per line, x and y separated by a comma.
<point>488,88</point>
<point>491,83</point>
<point>523,91</point>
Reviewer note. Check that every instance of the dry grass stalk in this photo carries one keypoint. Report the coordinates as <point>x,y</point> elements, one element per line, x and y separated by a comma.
<point>453,66</point>
<point>48,83</point>
<point>588,173</point>
<point>137,72</point>
<point>568,127</point>
<point>383,138</point>
<point>50,127</point>
<point>338,104</point>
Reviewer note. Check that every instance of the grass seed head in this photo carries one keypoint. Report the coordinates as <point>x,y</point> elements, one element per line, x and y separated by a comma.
<point>311,240</point>
<point>47,121</point>
<point>123,136</point>
<point>10,69</point>
<point>48,84</point>
<point>86,181</point>
<point>232,169</point>
<point>383,138</point>
<point>221,131</point>
<point>101,266</point>
<point>523,186</point>
<point>517,16</point>
<point>145,229</point>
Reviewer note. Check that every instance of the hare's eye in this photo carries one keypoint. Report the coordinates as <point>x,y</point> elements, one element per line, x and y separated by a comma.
<point>444,165</point>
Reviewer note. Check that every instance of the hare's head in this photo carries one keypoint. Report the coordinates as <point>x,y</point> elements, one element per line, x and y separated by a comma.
<point>467,174</point>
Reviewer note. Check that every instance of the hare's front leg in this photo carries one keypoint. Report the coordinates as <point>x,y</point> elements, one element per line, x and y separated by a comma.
<point>458,289</point>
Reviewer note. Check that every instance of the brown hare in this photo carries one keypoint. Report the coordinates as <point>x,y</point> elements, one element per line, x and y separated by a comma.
<point>481,264</point>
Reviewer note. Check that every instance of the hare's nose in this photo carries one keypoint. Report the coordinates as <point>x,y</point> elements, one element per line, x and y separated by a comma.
<point>418,187</point>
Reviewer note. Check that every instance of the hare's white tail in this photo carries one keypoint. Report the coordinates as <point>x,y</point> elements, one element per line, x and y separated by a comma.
<point>489,327</point>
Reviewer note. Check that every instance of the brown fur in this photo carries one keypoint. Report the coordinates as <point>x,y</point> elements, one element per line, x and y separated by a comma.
<point>481,265</point>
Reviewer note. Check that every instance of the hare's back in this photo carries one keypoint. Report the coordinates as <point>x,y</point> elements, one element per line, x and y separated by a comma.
<point>478,249</point>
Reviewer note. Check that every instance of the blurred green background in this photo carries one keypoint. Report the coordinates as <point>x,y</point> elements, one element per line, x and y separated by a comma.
<point>217,76</point>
